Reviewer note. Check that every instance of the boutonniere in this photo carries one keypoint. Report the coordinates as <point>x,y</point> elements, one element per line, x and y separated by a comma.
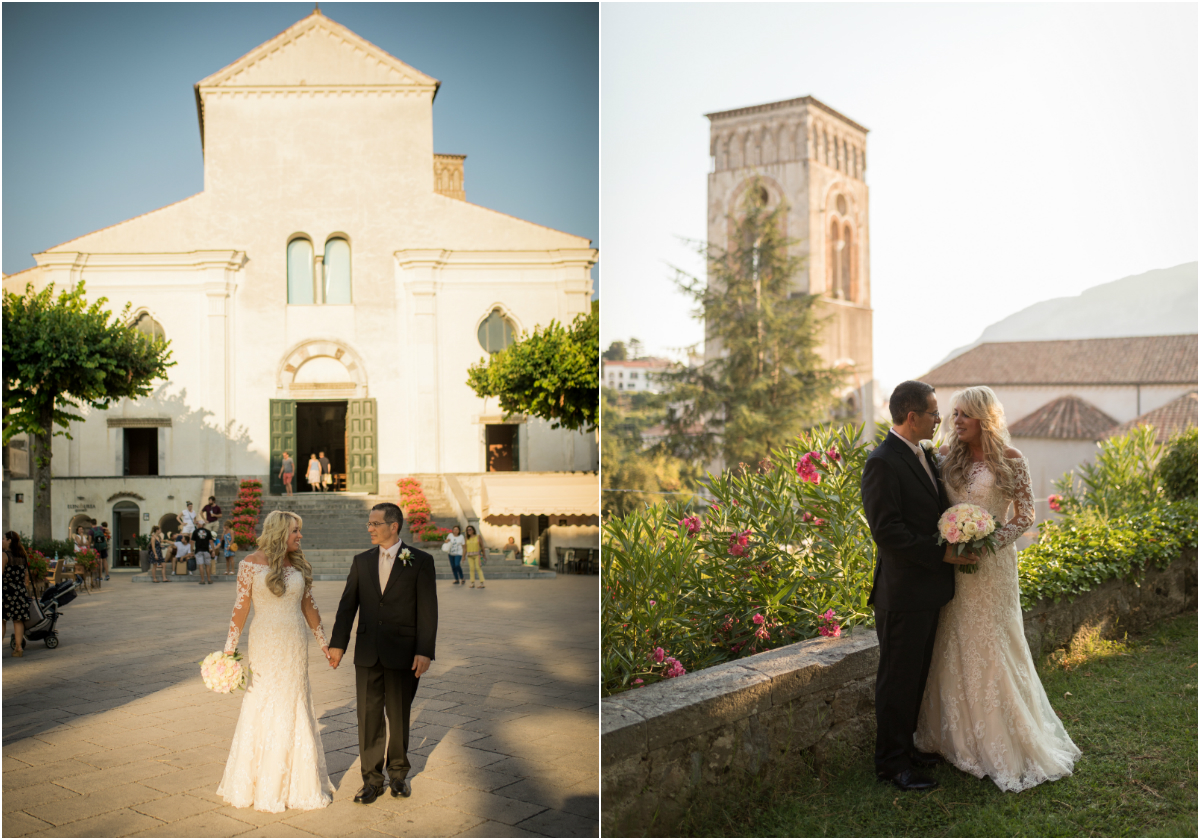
<point>404,556</point>
<point>930,451</point>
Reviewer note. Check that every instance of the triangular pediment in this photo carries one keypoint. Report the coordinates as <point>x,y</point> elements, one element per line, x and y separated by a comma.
<point>317,52</point>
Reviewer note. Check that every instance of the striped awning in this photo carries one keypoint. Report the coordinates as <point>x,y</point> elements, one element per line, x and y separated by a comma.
<point>536,494</point>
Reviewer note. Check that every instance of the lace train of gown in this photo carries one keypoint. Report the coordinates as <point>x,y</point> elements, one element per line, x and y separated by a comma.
<point>276,760</point>
<point>984,707</point>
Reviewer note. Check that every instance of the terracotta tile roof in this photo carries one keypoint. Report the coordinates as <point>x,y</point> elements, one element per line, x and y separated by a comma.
<point>650,362</point>
<point>1147,360</point>
<point>1168,419</point>
<point>1067,418</point>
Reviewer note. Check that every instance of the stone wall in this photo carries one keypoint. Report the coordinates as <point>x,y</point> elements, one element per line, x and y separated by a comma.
<point>764,714</point>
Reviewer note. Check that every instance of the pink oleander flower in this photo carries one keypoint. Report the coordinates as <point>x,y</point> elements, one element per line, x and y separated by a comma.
<point>639,681</point>
<point>739,543</point>
<point>833,455</point>
<point>833,632</point>
<point>818,522</point>
<point>1055,501</point>
<point>763,633</point>
<point>829,625</point>
<point>652,603</point>
<point>808,517</point>
<point>806,470</point>
<point>674,668</point>
<point>828,616</point>
<point>758,619</point>
<point>714,507</point>
<point>658,655</point>
<point>692,523</point>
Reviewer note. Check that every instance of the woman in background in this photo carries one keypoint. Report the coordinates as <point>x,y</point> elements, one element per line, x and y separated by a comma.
<point>156,555</point>
<point>475,548</point>
<point>313,476</point>
<point>454,548</point>
<point>16,594</point>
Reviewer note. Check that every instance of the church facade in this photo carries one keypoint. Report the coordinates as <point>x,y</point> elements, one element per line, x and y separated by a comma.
<point>813,159</point>
<point>326,291</point>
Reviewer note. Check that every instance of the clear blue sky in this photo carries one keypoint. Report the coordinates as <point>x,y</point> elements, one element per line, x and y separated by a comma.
<point>100,117</point>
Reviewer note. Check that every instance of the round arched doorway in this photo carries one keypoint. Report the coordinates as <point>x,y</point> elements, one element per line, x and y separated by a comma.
<point>126,520</point>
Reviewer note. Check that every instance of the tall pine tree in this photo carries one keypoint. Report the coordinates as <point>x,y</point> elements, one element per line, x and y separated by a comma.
<point>763,381</point>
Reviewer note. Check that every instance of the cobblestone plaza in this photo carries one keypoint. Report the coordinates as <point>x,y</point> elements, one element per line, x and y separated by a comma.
<point>114,735</point>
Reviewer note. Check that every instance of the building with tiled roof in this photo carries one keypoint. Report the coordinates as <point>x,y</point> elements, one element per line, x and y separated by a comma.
<point>1061,397</point>
<point>1066,418</point>
<point>1173,417</point>
<point>638,375</point>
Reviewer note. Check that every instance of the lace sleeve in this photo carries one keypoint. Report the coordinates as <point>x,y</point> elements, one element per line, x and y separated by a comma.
<point>313,616</point>
<point>1023,501</point>
<point>241,607</point>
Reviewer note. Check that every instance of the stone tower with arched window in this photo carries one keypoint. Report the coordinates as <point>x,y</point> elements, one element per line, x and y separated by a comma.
<point>814,158</point>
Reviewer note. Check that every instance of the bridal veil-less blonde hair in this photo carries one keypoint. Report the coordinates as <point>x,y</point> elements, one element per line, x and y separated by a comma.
<point>980,403</point>
<point>273,544</point>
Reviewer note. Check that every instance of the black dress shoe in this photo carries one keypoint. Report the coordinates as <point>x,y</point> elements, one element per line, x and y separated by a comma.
<point>909,779</point>
<point>924,759</point>
<point>368,794</point>
<point>400,787</point>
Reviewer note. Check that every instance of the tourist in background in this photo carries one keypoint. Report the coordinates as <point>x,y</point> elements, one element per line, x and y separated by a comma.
<point>313,476</point>
<point>81,539</point>
<point>286,472</point>
<point>183,550</point>
<point>475,554</point>
<point>226,544</point>
<point>187,520</point>
<point>16,592</point>
<point>511,550</point>
<point>156,555</point>
<point>326,472</point>
<point>454,548</point>
<point>100,537</point>
<point>202,543</point>
<point>211,511</point>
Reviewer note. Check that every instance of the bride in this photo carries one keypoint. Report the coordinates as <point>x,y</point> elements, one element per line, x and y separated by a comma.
<point>984,707</point>
<point>276,760</point>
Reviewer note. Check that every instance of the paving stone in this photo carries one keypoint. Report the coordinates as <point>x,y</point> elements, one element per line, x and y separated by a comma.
<point>175,807</point>
<point>17,824</point>
<point>71,808</point>
<point>256,818</point>
<point>561,824</point>
<point>495,829</point>
<point>209,824</point>
<point>275,830</point>
<point>124,755</point>
<point>119,823</point>
<point>101,779</point>
<point>430,821</point>
<point>498,808</point>
<point>198,757</point>
<point>185,781</point>
<point>425,791</point>
<point>467,776</point>
<point>343,818</point>
<point>57,770</point>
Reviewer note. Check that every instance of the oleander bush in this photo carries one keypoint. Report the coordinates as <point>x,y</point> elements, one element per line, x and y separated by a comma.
<point>1122,477</point>
<point>1086,548</point>
<point>1178,466</point>
<point>417,512</point>
<point>246,508</point>
<point>782,544</point>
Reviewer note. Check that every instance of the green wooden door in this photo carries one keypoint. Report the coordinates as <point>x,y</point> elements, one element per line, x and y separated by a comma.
<point>283,439</point>
<point>362,445</point>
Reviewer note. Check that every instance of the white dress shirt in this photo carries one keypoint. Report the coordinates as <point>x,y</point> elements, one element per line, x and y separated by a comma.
<point>387,558</point>
<point>916,449</point>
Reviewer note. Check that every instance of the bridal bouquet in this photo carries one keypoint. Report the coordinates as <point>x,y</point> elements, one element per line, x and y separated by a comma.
<point>224,673</point>
<point>967,528</point>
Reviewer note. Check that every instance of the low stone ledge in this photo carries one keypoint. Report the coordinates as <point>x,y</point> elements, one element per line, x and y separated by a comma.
<point>662,743</point>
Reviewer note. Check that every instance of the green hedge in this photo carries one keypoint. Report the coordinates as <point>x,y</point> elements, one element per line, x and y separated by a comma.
<point>1079,553</point>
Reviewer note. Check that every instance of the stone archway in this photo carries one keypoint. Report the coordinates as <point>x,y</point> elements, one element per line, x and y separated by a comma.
<point>321,369</point>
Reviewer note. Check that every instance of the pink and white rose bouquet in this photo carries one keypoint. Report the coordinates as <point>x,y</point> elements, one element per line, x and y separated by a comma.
<point>968,528</point>
<point>224,673</point>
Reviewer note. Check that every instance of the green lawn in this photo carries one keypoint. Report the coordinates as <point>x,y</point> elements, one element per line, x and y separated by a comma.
<point>1130,706</point>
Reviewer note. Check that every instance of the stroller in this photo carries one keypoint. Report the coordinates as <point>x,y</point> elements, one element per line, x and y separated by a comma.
<point>51,602</point>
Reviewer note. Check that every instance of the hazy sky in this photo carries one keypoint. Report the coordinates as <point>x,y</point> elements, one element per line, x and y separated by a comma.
<point>100,117</point>
<point>1016,152</point>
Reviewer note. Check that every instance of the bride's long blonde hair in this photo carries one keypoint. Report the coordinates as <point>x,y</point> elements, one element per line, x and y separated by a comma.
<point>980,403</point>
<point>273,544</point>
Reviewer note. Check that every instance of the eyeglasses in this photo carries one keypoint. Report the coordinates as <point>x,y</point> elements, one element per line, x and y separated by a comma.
<point>937,415</point>
<point>371,523</point>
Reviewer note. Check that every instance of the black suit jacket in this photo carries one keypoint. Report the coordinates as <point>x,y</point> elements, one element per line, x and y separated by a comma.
<point>396,621</point>
<point>902,510</point>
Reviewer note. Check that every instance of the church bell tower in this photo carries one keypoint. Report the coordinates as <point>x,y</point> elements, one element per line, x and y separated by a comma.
<point>814,158</point>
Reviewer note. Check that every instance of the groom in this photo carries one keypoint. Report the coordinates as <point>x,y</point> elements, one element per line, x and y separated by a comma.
<point>914,577</point>
<point>392,589</point>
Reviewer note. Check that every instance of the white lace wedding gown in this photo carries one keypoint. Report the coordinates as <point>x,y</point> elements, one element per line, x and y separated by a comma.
<point>276,760</point>
<point>984,707</point>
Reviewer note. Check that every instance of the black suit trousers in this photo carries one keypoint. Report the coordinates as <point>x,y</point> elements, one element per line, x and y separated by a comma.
<point>383,689</point>
<point>905,653</point>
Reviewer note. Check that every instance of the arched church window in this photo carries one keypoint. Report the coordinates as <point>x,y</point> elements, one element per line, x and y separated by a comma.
<point>835,255</point>
<point>847,264</point>
<point>146,324</point>
<point>300,271</point>
<point>337,271</point>
<point>841,204</point>
<point>496,332</point>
